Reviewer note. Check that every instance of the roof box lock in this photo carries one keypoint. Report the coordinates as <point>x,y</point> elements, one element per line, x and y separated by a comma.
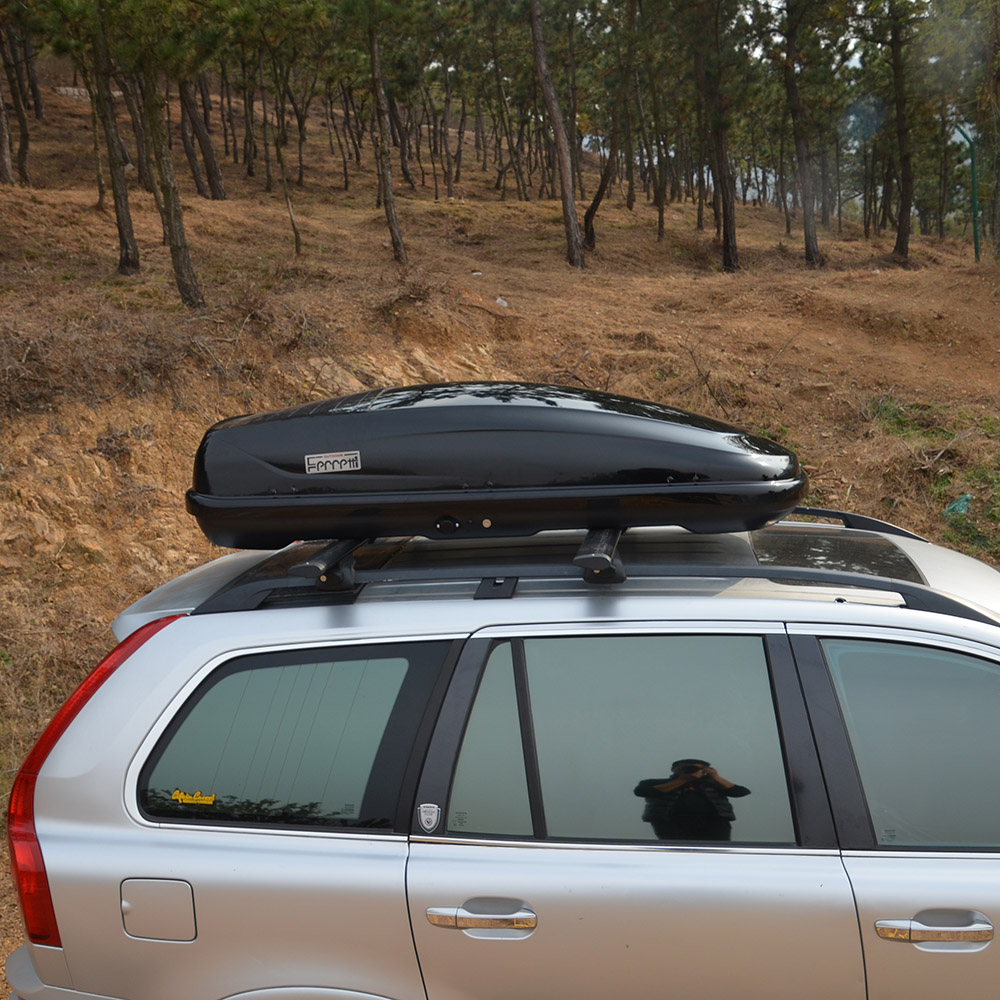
<point>481,459</point>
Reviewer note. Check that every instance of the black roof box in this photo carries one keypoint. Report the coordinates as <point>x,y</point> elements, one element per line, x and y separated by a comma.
<point>478,459</point>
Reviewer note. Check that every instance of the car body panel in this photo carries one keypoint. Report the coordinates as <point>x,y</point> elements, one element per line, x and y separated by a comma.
<point>289,914</point>
<point>643,919</point>
<point>272,909</point>
<point>939,889</point>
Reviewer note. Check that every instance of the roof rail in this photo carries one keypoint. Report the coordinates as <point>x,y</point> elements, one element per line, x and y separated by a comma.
<point>326,569</point>
<point>859,521</point>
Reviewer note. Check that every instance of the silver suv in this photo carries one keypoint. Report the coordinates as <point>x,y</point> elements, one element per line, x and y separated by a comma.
<point>438,756</point>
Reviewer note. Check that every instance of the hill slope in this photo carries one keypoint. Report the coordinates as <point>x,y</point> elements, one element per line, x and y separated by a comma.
<point>883,378</point>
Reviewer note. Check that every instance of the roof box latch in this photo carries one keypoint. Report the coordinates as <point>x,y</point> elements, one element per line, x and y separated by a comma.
<point>598,556</point>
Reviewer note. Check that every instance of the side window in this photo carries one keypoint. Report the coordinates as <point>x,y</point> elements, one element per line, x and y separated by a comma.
<point>490,790</point>
<point>923,727</point>
<point>311,737</point>
<point>634,738</point>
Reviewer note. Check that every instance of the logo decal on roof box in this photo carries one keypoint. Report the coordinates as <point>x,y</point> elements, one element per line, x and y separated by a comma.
<point>334,461</point>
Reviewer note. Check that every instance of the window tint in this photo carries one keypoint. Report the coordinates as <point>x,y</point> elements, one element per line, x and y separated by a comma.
<point>490,790</point>
<point>923,726</point>
<point>609,717</point>
<point>311,737</point>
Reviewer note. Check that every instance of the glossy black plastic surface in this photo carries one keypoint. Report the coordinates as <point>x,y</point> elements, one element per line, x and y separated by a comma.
<point>479,459</point>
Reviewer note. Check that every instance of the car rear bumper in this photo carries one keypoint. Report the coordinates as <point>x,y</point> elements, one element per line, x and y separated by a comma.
<point>26,984</point>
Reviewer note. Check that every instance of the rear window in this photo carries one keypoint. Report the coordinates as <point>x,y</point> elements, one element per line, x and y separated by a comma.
<point>305,738</point>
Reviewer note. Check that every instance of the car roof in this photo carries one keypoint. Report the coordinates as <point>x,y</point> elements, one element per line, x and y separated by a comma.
<point>791,560</point>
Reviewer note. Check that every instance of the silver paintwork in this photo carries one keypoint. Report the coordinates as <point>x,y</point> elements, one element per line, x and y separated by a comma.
<point>687,923</point>
<point>151,911</point>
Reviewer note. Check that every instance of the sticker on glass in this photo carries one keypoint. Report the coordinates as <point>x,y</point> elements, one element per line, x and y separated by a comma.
<point>193,800</point>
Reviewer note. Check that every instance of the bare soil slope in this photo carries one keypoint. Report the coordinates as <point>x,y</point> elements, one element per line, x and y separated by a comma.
<point>883,377</point>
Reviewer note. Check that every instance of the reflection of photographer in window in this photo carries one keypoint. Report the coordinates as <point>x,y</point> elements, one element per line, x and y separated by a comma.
<point>692,804</point>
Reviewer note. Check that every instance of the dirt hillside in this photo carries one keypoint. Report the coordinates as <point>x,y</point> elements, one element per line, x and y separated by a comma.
<point>883,377</point>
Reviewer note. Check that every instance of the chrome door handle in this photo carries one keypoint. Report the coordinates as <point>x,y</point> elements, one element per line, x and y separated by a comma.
<point>913,931</point>
<point>461,919</point>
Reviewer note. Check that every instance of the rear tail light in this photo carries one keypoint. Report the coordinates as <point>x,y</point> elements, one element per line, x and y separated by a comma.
<point>26,863</point>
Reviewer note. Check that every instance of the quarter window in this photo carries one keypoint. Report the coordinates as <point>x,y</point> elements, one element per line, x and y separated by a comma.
<point>316,738</point>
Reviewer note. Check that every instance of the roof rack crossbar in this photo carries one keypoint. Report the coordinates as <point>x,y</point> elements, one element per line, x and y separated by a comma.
<point>859,521</point>
<point>328,566</point>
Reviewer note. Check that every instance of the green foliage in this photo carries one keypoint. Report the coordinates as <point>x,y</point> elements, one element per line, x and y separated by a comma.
<point>687,69</point>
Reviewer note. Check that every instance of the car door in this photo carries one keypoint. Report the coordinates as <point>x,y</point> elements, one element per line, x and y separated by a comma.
<point>532,872</point>
<point>907,725</point>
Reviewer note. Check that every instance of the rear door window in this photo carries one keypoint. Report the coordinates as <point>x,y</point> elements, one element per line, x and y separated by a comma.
<point>304,738</point>
<point>624,738</point>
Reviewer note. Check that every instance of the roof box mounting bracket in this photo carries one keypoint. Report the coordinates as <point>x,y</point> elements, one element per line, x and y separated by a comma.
<point>598,556</point>
<point>332,568</point>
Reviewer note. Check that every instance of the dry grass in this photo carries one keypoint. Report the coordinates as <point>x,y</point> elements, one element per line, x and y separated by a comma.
<point>883,378</point>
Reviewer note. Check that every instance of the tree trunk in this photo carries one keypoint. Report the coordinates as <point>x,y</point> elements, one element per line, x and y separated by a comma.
<point>824,177</point>
<point>249,131</point>
<point>189,103</point>
<point>867,189</point>
<point>206,101</point>
<point>226,100</point>
<point>574,138</point>
<point>16,54</point>
<point>449,160</point>
<point>7,57</point>
<point>6,163</point>
<point>95,129</point>
<point>128,256</point>
<point>268,175</point>
<point>803,158</point>
<point>382,147</point>
<point>29,63</point>
<point>150,158</point>
<point>709,83</point>
<point>430,148</point>
<point>589,236</point>
<point>906,181</point>
<point>142,160</point>
<point>840,188</point>
<point>173,216</point>
<point>396,123</point>
<point>574,238</point>
<point>943,172</point>
<point>192,155</point>
<point>460,142</point>
<point>355,138</point>
<point>331,125</point>
<point>512,148</point>
<point>280,140</point>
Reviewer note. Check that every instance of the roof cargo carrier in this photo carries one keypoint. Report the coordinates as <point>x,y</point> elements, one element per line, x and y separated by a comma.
<point>479,459</point>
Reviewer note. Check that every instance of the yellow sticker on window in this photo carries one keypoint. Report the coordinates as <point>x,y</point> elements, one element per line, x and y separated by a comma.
<point>193,800</point>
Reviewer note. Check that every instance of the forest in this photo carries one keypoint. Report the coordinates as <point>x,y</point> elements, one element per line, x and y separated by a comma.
<point>882,112</point>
